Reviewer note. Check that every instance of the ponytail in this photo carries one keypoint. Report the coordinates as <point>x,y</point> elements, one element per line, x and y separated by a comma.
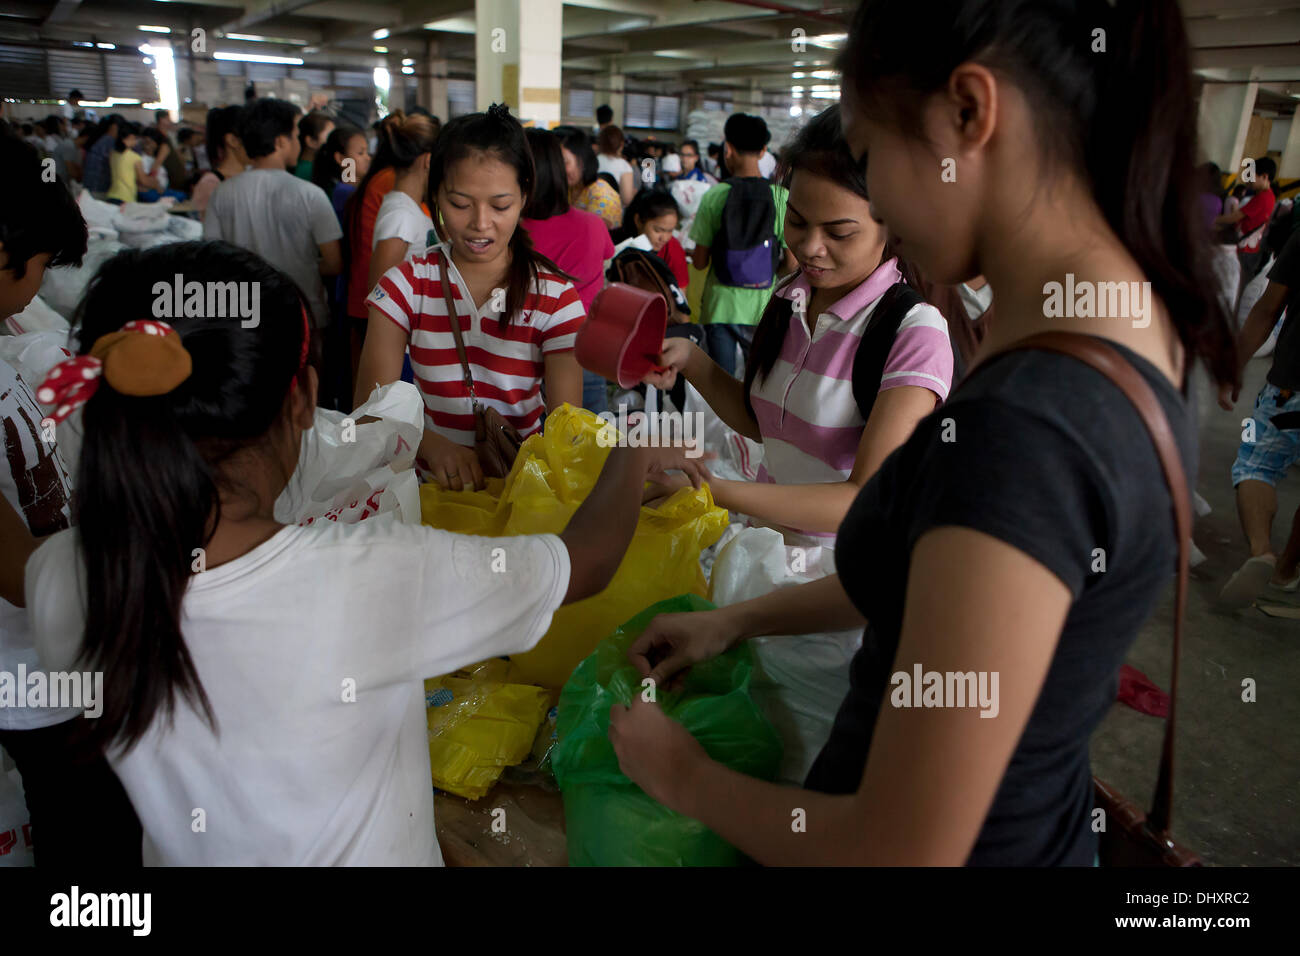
<point>153,467</point>
<point>1140,162</point>
<point>139,532</point>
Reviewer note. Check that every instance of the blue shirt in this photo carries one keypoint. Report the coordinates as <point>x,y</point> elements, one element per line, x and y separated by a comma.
<point>96,176</point>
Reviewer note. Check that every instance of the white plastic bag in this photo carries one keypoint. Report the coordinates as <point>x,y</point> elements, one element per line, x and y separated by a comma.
<point>37,317</point>
<point>800,680</point>
<point>348,471</point>
<point>63,286</point>
<point>15,828</point>
<point>184,227</point>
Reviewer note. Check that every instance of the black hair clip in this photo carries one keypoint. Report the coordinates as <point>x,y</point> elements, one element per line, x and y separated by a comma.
<point>499,111</point>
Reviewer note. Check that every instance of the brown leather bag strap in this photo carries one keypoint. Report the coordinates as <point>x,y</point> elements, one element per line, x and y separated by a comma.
<point>1100,356</point>
<point>453,319</point>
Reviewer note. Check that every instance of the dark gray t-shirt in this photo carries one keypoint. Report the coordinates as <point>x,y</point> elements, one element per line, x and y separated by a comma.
<point>1285,370</point>
<point>1050,457</point>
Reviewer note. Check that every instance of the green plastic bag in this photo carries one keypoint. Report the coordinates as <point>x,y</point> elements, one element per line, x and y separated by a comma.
<point>609,820</point>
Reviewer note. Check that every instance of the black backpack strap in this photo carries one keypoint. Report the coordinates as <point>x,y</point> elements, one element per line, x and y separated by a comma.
<point>877,338</point>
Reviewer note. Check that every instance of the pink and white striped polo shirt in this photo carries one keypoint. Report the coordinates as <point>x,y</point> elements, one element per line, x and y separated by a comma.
<point>806,411</point>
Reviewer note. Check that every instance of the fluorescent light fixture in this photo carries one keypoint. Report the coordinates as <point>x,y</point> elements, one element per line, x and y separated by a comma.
<point>256,58</point>
<point>107,46</point>
<point>82,43</point>
<point>829,39</point>
<point>452,25</point>
<point>149,29</point>
<point>796,111</point>
<point>407,61</point>
<point>381,49</point>
<point>825,74</point>
<point>257,38</point>
<point>796,90</point>
<point>381,78</point>
<point>825,94</point>
<point>797,76</point>
<point>379,35</point>
<point>408,70</point>
<point>111,101</point>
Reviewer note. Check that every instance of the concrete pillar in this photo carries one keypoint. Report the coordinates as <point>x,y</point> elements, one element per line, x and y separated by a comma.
<point>1224,120</point>
<point>432,70</point>
<point>612,93</point>
<point>517,51</point>
<point>1289,167</point>
<point>396,84</point>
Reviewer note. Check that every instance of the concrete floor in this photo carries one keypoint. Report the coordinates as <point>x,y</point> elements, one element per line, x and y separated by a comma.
<point>1237,773</point>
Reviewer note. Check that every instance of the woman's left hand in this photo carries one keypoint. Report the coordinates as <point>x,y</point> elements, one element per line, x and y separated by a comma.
<point>658,754</point>
<point>689,461</point>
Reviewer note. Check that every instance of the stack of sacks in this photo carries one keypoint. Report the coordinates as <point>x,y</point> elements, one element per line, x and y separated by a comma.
<point>705,126</point>
<point>112,228</point>
<point>142,225</point>
<point>63,285</point>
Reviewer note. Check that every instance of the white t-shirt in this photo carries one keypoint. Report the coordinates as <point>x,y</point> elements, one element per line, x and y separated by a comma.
<point>296,776</point>
<point>976,301</point>
<point>766,165</point>
<point>282,218</point>
<point>35,483</point>
<point>400,217</point>
<point>616,166</point>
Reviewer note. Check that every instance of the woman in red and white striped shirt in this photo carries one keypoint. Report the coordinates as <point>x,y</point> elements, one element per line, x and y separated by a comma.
<point>517,312</point>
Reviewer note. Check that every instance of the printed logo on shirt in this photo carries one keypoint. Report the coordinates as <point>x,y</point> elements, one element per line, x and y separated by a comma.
<point>953,689</point>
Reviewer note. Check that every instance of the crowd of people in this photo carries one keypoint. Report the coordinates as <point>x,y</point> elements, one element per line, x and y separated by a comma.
<point>957,484</point>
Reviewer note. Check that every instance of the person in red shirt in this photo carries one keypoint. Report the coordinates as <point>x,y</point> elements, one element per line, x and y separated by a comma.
<point>360,215</point>
<point>1250,220</point>
<point>655,215</point>
<point>574,240</point>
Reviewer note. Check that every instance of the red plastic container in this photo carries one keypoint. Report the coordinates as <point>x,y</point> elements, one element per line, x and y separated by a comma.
<point>623,335</point>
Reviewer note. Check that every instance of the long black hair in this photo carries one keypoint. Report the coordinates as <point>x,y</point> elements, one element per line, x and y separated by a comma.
<point>152,468</point>
<point>819,149</point>
<point>401,140</point>
<point>310,126</point>
<point>497,134</point>
<point>551,192</point>
<point>326,171</point>
<point>1123,119</point>
<point>578,142</point>
<point>124,129</point>
<point>222,121</point>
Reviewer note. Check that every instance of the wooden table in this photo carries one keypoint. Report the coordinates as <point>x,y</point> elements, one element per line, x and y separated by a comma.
<point>529,831</point>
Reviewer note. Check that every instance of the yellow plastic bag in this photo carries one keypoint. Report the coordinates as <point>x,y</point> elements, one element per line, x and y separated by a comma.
<point>552,475</point>
<point>479,725</point>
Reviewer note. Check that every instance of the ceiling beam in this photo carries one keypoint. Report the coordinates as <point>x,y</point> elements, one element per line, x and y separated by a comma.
<point>63,10</point>
<point>262,11</point>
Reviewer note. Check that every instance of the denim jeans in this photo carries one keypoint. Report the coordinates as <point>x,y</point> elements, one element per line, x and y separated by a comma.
<point>595,396</point>
<point>721,339</point>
